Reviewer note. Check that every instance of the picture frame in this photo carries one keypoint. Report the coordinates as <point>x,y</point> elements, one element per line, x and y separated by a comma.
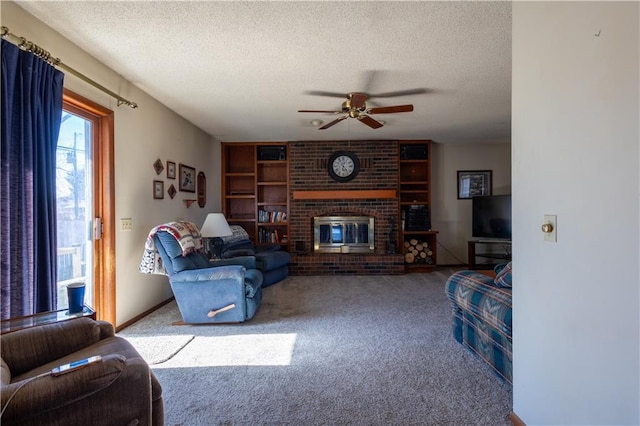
<point>158,167</point>
<point>158,189</point>
<point>472,183</point>
<point>171,170</point>
<point>187,178</point>
<point>172,191</point>
<point>202,189</point>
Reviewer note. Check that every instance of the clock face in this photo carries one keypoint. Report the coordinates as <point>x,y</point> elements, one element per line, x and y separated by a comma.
<point>343,166</point>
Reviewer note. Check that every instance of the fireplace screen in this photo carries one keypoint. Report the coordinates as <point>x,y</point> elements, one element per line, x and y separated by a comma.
<point>333,233</point>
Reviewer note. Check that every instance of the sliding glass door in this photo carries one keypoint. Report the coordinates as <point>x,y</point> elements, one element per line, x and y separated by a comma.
<point>86,203</point>
<point>75,206</point>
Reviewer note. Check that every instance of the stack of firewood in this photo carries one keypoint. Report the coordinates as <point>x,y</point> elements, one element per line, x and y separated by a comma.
<point>416,252</point>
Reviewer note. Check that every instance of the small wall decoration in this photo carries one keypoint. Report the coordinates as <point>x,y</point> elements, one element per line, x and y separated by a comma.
<point>171,170</point>
<point>172,191</point>
<point>158,189</point>
<point>187,178</point>
<point>473,182</point>
<point>202,189</point>
<point>158,167</point>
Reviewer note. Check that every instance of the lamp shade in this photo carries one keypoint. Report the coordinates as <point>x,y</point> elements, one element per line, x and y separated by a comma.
<point>215,225</point>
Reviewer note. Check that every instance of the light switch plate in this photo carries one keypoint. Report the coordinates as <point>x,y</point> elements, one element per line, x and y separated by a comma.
<point>126,224</point>
<point>552,236</point>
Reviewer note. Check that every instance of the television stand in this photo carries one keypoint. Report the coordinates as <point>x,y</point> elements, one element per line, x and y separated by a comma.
<point>493,252</point>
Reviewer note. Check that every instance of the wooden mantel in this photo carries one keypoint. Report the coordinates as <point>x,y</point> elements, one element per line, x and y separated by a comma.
<point>345,195</point>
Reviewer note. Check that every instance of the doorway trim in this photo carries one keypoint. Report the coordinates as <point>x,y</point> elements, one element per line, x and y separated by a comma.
<point>104,270</point>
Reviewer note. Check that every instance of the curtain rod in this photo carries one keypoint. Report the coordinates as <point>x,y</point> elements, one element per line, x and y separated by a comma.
<point>28,46</point>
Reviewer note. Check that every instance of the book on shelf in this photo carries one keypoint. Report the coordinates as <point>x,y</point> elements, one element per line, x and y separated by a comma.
<point>271,217</point>
<point>268,237</point>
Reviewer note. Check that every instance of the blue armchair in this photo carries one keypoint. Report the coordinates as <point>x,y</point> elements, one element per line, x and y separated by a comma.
<point>210,292</point>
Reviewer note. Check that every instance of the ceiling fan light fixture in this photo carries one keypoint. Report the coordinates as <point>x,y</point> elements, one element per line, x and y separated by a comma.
<point>356,107</point>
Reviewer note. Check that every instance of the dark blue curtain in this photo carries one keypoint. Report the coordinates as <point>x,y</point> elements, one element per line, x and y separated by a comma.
<point>31,113</point>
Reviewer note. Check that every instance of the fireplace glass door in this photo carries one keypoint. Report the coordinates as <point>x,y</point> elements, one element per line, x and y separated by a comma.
<point>333,232</point>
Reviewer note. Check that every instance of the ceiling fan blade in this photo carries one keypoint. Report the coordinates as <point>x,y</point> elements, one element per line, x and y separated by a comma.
<point>399,93</point>
<point>336,121</point>
<point>390,109</point>
<point>320,111</point>
<point>374,124</point>
<point>323,93</point>
<point>357,100</point>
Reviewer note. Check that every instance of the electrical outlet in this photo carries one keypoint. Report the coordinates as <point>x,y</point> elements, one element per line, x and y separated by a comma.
<point>550,228</point>
<point>126,224</point>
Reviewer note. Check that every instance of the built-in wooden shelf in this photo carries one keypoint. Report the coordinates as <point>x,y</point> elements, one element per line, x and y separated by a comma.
<point>414,175</point>
<point>345,195</point>
<point>255,182</point>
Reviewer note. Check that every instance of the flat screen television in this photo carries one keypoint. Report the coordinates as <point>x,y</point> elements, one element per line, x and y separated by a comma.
<point>491,217</point>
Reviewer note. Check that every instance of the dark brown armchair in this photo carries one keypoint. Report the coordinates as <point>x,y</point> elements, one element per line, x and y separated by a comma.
<point>119,390</point>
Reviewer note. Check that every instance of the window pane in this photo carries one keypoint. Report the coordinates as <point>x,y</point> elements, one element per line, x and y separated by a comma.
<point>363,233</point>
<point>74,206</point>
<point>336,233</point>
<point>325,234</point>
<point>350,231</point>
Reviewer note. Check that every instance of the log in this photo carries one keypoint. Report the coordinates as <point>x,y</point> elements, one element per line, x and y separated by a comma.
<point>417,252</point>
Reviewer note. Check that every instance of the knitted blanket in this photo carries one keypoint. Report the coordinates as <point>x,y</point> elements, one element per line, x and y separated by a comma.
<point>239,235</point>
<point>186,234</point>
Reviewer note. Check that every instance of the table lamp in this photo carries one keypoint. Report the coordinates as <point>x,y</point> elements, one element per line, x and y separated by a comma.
<point>215,226</point>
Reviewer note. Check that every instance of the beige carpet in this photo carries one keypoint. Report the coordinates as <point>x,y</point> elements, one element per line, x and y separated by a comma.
<point>158,349</point>
<point>352,350</point>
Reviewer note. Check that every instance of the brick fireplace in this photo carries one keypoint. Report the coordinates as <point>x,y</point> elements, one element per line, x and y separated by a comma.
<point>378,175</point>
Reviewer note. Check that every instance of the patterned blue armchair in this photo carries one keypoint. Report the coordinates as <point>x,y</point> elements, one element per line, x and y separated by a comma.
<point>206,292</point>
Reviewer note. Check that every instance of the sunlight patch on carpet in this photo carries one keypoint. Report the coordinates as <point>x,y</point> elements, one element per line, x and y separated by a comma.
<point>242,350</point>
<point>158,349</point>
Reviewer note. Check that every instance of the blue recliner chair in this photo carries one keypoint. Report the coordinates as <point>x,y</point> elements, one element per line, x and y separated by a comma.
<point>230,291</point>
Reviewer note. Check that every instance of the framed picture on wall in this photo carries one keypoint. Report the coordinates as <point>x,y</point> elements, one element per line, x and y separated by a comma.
<point>158,189</point>
<point>158,167</point>
<point>187,178</point>
<point>473,182</point>
<point>172,191</point>
<point>171,170</point>
<point>202,189</point>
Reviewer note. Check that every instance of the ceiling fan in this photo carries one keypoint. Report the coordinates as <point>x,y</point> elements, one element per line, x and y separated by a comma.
<point>355,107</point>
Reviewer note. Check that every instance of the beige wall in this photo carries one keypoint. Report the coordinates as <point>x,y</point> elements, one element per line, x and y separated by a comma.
<point>576,151</point>
<point>141,136</point>
<point>450,216</point>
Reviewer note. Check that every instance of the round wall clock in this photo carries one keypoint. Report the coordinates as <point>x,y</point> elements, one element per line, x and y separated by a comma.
<point>343,166</point>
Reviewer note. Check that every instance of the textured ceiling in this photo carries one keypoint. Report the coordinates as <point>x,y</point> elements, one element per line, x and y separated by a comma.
<point>241,70</point>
